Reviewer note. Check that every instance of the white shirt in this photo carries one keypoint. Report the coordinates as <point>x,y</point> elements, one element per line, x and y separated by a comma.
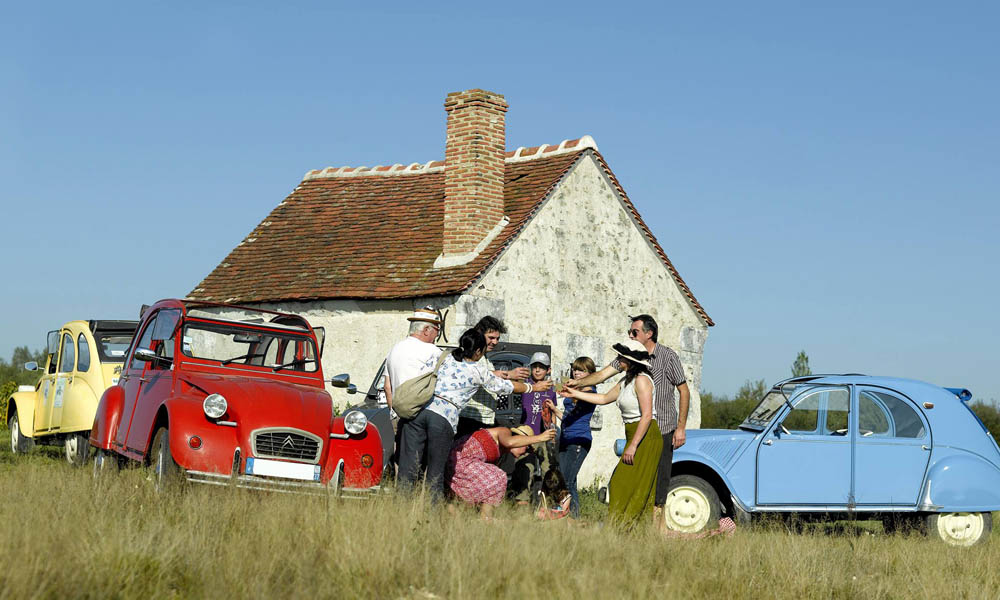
<point>410,358</point>
<point>628,401</point>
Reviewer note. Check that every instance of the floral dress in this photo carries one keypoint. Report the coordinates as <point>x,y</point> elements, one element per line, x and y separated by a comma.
<point>471,475</point>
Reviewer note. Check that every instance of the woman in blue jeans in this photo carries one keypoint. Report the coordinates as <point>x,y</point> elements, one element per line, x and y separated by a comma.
<point>575,438</point>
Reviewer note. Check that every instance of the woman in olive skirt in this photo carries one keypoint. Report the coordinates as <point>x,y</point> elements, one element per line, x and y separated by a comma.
<point>633,484</point>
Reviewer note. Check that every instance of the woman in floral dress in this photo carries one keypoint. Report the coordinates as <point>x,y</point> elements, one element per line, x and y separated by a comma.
<point>472,474</point>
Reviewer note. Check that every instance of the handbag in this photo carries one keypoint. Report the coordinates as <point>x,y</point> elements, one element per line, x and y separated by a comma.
<point>414,394</point>
<point>620,446</point>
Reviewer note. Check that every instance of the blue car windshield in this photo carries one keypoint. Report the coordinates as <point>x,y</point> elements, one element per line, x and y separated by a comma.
<point>766,409</point>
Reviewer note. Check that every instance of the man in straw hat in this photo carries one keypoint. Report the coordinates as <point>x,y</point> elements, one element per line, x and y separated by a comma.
<point>667,372</point>
<point>416,354</point>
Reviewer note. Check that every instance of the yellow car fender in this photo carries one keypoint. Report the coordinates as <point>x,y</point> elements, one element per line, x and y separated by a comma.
<point>24,404</point>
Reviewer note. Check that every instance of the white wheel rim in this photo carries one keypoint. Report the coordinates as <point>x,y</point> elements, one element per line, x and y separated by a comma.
<point>687,509</point>
<point>960,529</point>
<point>15,435</point>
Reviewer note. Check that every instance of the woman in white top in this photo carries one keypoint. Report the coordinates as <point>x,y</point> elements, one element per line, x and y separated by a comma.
<point>434,427</point>
<point>633,484</point>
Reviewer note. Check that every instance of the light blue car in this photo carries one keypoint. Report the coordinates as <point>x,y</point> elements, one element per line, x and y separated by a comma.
<point>828,446</point>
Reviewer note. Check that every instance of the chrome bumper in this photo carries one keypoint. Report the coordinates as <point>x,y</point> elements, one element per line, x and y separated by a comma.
<point>284,486</point>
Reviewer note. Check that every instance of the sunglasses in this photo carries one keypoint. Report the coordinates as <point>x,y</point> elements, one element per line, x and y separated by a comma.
<point>632,332</point>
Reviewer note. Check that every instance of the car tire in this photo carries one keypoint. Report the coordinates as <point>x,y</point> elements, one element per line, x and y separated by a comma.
<point>692,505</point>
<point>77,446</point>
<point>960,529</point>
<point>167,474</point>
<point>19,444</point>
<point>104,462</point>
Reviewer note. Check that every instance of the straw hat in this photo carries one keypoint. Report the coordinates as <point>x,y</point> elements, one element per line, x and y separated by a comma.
<point>634,351</point>
<point>522,430</point>
<point>428,314</point>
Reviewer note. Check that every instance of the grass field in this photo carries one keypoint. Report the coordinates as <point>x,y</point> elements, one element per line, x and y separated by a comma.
<point>66,535</point>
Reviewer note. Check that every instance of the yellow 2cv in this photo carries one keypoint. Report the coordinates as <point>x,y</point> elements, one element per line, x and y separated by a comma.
<point>83,358</point>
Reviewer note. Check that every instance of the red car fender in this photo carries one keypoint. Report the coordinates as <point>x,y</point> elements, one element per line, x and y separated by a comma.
<point>107,417</point>
<point>355,452</point>
<point>214,453</point>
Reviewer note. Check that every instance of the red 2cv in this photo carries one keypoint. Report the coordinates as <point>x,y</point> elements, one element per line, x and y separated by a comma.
<point>231,395</point>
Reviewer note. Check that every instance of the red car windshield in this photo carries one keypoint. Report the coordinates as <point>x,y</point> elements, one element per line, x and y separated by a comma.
<point>234,343</point>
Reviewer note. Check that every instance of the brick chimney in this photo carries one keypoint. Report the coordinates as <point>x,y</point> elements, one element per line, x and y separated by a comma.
<point>473,169</point>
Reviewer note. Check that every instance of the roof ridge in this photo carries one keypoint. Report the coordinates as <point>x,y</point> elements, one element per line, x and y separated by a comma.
<point>520,155</point>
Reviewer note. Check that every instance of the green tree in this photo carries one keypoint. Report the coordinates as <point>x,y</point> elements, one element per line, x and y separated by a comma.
<point>989,414</point>
<point>800,367</point>
<point>724,413</point>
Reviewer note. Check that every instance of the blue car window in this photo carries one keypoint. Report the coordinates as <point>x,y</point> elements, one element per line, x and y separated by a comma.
<point>902,420</point>
<point>823,411</point>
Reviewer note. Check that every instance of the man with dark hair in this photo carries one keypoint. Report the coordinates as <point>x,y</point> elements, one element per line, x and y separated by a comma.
<point>667,374</point>
<point>480,413</point>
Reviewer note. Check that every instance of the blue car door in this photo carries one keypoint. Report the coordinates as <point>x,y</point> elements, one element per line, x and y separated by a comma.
<point>805,457</point>
<point>893,448</point>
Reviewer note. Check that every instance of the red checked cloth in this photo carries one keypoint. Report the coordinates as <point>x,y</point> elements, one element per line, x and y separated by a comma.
<point>472,476</point>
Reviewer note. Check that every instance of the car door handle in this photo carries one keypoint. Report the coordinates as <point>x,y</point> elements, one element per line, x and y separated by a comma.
<point>768,442</point>
<point>925,447</point>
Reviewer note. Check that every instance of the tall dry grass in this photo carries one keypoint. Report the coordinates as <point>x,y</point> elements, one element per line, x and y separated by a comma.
<point>63,534</point>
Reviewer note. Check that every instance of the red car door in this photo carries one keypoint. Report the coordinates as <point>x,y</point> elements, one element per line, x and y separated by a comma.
<point>157,379</point>
<point>133,376</point>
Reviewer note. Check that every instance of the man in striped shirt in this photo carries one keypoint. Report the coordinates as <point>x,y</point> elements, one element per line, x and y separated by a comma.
<point>667,374</point>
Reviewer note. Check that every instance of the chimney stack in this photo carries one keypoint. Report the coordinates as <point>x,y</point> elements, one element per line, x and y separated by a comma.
<point>473,168</point>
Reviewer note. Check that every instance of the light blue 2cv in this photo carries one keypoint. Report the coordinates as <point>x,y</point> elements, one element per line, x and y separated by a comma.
<point>907,452</point>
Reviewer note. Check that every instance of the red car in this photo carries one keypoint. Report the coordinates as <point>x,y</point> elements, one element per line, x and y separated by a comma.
<point>230,395</point>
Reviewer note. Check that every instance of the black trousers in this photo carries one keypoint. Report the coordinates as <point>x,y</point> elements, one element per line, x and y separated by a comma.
<point>425,439</point>
<point>467,426</point>
<point>663,469</point>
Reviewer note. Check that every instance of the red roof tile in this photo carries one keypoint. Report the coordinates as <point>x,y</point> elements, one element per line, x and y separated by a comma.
<point>375,233</point>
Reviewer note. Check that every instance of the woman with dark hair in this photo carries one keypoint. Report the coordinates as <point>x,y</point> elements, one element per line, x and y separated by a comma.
<point>633,483</point>
<point>434,427</point>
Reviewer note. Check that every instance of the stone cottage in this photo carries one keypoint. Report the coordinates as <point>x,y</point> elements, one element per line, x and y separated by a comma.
<point>544,238</point>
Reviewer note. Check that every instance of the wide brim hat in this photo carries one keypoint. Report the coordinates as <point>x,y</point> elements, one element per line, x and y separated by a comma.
<point>634,351</point>
<point>428,314</point>
<point>522,430</point>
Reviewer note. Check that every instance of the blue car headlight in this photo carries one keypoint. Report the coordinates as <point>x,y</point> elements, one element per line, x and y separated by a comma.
<point>355,422</point>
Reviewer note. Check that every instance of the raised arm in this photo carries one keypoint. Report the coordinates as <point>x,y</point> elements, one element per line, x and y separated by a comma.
<point>595,378</point>
<point>593,397</point>
<point>644,391</point>
<point>508,440</point>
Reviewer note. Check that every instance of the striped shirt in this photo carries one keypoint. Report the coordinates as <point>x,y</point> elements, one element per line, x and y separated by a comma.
<point>667,374</point>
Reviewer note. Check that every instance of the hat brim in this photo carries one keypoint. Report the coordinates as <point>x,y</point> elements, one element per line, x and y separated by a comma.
<point>432,321</point>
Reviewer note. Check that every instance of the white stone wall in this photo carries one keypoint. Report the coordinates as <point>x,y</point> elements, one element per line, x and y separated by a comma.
<point>574,275</point>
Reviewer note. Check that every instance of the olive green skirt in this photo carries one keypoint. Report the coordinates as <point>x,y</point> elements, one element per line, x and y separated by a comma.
<point>632,488</point>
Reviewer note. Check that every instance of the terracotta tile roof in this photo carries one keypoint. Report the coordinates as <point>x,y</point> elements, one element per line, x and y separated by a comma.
<point>374,233</point>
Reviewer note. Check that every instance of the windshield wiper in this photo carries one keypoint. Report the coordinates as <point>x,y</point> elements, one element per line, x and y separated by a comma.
<point>235,358</point>
<point>299,361</point>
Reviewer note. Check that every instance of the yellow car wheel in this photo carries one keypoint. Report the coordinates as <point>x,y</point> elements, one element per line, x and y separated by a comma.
<point>18,443</point>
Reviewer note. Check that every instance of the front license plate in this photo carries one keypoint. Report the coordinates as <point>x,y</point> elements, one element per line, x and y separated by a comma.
<point>277,468</point>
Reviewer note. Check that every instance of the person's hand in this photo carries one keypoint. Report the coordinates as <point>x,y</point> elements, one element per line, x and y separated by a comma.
<point>570,383</point>
<point>629,455</point>
<point>548,435</point>
<point>518,374</point>
<point>568,392</point>
<point>549,405</point>
<point>541,386</point>
<point>679,437</point>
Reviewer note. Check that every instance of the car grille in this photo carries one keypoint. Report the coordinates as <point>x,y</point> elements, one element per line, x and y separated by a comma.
<point>288,444</point>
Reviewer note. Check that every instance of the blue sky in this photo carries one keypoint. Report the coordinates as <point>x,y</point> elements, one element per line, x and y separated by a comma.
<point>824,177</point>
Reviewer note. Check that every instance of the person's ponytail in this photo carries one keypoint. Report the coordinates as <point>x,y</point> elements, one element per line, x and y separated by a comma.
<point>471,342</point>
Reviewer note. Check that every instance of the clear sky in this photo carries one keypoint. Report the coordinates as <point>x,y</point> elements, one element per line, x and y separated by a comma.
<point>825,177</point>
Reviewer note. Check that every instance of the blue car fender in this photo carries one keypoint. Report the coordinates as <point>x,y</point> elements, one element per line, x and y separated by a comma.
<point>961,481</point>
<point>686,462</point>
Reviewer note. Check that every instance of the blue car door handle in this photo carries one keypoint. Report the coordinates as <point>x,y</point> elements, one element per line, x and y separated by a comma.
<point>768,442</point>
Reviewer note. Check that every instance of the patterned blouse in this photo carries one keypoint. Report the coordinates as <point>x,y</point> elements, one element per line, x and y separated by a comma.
<point>457,382</point>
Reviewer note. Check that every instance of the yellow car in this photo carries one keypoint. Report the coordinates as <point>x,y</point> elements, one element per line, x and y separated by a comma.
<point>84,358</point>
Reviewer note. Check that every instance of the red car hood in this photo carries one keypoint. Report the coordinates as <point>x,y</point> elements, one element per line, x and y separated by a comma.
<point>255,403</point>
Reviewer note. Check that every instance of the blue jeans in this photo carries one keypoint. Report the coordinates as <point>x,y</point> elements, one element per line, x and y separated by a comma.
<point>570,460</point>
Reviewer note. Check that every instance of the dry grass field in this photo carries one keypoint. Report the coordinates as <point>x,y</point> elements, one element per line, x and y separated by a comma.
<point>66,535</point>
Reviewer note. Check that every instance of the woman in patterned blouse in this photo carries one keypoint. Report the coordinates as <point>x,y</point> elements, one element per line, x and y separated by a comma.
<point>458,379</point>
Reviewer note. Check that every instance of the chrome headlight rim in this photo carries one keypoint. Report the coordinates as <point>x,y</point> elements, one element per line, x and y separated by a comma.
<point>214,405</point>
<point>355,422</point>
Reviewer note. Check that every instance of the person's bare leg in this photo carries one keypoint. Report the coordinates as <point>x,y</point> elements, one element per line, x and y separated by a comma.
<point>658,520</point>
<point>486,512</point>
